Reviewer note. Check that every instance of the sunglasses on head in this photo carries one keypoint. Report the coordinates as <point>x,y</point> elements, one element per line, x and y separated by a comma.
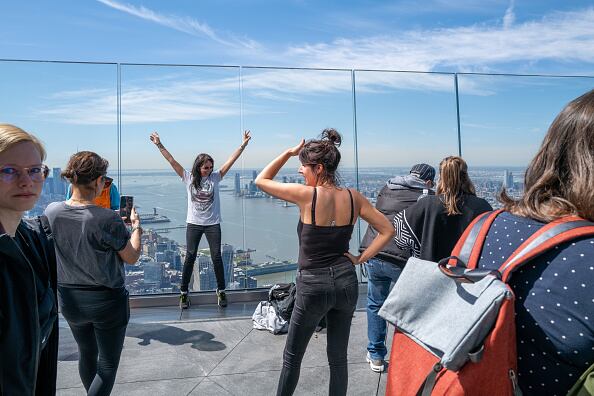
<point>107,181</point>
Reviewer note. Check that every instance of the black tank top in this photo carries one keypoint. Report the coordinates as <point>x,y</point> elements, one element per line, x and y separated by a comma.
<point>323,246</point>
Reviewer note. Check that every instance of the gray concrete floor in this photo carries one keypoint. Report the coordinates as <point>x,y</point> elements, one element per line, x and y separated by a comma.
<point>209,351</point>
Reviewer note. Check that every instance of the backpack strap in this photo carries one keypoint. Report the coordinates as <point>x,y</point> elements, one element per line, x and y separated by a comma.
<point>468,248</point>
<point>550,235</point>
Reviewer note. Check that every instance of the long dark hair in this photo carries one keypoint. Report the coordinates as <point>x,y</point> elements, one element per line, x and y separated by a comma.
<point>559,180</point>
<point>324,151</point>
<point>200,160</point>
<point>454,182</point>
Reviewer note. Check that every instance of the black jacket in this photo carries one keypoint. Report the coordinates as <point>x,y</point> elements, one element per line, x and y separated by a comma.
<point>24,369</point>
<point>398,194</point>
<point>428,232</point>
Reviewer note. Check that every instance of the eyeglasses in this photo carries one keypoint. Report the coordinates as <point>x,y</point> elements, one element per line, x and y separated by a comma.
<point>107,181</point>
<point>12,173</point>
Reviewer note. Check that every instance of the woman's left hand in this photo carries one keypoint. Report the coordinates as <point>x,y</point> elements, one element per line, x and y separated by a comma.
<point>246,138</point>
<point>293,151</point>
<point>354,259</point>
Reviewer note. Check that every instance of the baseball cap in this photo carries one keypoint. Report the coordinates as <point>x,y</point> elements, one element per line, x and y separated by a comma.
<point>423,172</point>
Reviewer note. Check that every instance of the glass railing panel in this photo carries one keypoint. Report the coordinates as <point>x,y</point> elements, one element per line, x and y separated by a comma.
<point>402,119</point>
<point>69,106</point>
<point>282,106</point>
<point>503,121</point>
<point>194,110</point>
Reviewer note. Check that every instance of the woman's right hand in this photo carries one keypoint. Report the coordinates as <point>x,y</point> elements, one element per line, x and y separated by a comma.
<point>155,138</point>
<point>134,217</point>
<point>295,150</point>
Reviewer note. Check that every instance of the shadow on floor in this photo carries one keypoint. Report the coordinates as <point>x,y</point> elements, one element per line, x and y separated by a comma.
<point>200,340</point>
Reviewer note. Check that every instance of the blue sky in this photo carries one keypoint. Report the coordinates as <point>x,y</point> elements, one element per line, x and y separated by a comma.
<point>401,117</point>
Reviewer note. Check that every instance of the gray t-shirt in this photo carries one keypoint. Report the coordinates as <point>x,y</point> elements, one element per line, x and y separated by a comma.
<point>87,240</point>
<point>204,206</point>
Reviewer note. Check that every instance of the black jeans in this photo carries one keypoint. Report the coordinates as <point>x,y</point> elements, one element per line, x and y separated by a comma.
<point>213,236</point>
<point>330,292</point>
<point>98,320</point>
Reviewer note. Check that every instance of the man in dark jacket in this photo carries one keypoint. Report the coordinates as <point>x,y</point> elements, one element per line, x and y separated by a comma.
<point>399,193</point>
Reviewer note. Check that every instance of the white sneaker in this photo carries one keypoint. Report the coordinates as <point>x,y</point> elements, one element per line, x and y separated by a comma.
<point>376,365</point>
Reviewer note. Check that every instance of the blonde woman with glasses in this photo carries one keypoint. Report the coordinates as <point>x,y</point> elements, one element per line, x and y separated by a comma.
<point>28,313</point>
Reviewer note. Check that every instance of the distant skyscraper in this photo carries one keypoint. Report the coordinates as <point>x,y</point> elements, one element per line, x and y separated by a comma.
<point>508,179</point>
<point>153,273</point>
<point>58,184</point>
<point>237,184</point>
<point>254,174</point>
<point>284,179</point>
<point>206,279</point>
<point>227,253</point>
<point>253,188</point>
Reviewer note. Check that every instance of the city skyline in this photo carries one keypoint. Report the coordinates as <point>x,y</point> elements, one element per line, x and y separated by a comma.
<point>259,240</point>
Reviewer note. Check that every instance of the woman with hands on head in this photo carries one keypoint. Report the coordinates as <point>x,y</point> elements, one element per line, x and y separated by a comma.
<point>204,212</point>
<point>327,282</point>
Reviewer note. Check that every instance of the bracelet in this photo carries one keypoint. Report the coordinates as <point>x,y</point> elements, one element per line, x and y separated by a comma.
<point>139,228</point>
<point>160,146</point>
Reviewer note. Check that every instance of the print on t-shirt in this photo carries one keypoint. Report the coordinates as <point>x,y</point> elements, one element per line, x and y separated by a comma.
<point>204,197</point>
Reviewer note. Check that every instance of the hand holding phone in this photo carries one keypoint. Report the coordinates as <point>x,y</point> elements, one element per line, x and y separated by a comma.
<point>126,205</point>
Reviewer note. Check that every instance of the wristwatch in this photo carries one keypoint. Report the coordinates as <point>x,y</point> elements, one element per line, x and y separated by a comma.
<point>136,228</point>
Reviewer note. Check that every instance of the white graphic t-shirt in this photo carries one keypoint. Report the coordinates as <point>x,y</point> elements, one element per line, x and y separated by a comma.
<point>204,206</point>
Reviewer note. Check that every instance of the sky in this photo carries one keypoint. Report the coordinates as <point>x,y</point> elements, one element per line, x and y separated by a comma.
<point>403,109</point>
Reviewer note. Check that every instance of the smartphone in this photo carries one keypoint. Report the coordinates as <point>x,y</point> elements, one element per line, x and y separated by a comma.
<point>126,204</point>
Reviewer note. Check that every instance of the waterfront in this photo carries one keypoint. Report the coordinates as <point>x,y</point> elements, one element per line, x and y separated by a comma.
<point>259,238</point>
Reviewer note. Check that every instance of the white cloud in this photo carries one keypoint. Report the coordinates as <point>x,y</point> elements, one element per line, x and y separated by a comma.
<point>561,37</point>
<point>509,17</point>
<point>180,23</point>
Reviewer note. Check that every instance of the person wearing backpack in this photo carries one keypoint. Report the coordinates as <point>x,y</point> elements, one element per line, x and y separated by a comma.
<point>430,228</point>
<point>399,193</point>
<point>510,311</point>
<point>554,292</point>
<point>327,283</point>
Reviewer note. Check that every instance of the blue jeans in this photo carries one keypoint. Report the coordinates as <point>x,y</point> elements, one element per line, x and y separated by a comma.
<point>381,274</point>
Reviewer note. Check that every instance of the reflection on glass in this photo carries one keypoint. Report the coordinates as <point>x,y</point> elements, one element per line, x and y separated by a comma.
<point>69,106</point>
<point>503,121</point>
<point>402,119</point>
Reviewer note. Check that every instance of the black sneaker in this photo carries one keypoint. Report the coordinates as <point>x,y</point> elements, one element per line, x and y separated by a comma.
<point>221,298</point>
<point>184,301</point>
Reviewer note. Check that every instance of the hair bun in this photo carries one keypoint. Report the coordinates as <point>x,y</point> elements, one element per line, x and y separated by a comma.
<point>332,135</point>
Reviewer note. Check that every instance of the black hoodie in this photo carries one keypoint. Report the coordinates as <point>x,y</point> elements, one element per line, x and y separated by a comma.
<point>398,194</point>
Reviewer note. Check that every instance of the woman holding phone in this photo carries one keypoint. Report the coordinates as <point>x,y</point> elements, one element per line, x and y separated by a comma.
<point>28,311</point>
<point>92,245</point>
<point>204,212</point>
<point>327,284</point>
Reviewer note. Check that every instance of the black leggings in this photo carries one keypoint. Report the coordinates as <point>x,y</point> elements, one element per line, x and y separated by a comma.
<point>330,292</point>
<point>213,236</point>
<point>98,320</point>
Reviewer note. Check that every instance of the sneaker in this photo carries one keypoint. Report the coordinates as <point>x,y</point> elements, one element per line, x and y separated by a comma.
<point>376,365</point>
<point>184,301</point>
<point>221,298</point>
